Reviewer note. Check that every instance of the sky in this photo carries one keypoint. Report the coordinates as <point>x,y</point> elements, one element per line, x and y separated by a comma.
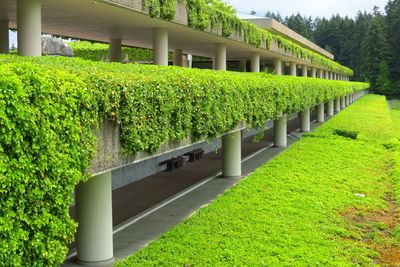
<point>313,8</point>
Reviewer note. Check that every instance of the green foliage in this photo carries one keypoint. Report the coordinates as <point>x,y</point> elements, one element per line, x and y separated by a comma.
<point>346,133</point>
<point>396,104</point>
<point>290,211</point>
<point>100,52</point>
<point>383,83</point>
<point>47,117</point>
<point>46,141</point>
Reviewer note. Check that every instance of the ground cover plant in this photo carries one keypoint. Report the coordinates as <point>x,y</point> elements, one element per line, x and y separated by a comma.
<point>50,106</point>
<point>326,201</point>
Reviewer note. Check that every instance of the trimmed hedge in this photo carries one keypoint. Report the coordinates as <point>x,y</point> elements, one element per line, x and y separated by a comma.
<point>293,211</point>
<point>50,105</point>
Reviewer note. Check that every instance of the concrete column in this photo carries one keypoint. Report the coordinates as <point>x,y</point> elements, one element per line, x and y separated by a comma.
<point>304,71</point>
<point>242,66</point>
<point>231,155</point>
<point>293,69</point>
<point>29,25</point>
<point>4,38</point>
<point>342,103</point>
<point>330,108</point>
<point>305,120</point>
<point>337,104</point>
<point>115,50</point>
<point>321,113</point>
<point>255,62</point>
<point>160,46</point>
<point>321,74</point>
<point>178,57</point>
<point>347,100</point>
<point>280,131</point>
<point>220,57</point>
<point>94,216</point>
<point>278,66</point>
<point>314,72</point>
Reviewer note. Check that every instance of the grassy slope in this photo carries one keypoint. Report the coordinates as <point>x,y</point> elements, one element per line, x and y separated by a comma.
<point>288,212</point>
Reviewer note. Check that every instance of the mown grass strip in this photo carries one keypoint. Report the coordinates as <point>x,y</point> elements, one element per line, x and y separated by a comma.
<point>292,211</point>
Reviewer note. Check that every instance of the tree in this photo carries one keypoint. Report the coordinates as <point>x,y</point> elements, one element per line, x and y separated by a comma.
<point>375,50</point>
<point>383,84</point>
<point>393,25</point>
<point>301,25</point>
<point>253,12</point>
<point>276,16</point>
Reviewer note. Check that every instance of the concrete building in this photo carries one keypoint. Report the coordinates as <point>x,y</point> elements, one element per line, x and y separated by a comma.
<point>125,22</point>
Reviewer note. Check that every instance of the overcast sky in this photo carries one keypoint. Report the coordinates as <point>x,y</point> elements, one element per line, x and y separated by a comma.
<point>314,8</point>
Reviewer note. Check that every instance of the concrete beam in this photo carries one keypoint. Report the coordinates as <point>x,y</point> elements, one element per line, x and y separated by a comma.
<point>293,69</point>
<point>255,62</point>
<point>280,131</point>
<point>231,154</point>
<point>94,216</point>
<point>220,57</point>
<point>178,57</point>
<point>4,37</point>
<point>29,25</point>
<point>278,66</point>
<point>305,120</point>
<point>160,46</point>
<point>115,50</point>
<point>321,113</point>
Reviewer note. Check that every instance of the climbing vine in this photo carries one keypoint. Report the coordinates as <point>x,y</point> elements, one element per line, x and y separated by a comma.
<point>49,107</point>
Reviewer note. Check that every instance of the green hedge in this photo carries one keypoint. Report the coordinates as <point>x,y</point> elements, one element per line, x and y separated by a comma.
<point>51,104</point>
<point>296,210</point>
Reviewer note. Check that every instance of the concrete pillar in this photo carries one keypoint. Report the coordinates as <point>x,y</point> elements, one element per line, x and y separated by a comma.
<point>242,66</point>
<point>321,113</point>
<point>160,46</point>
<point>220,57</point>
<point>178,57</point>
<point>231,155</point>
<point>278,66</point>
<point>330,111</point>
<point>337,104</point>
<point>94,215</point>
<point>305,120</point>
<point>293,69</point>
<point>304,71</point>
<point>314,72</point>
<point>342,103</point>
<point>4,38</point>
<point>347,97</point>
<point>255,62</point>
<point>29,25</point>
<point>280,131</point>
<point>321,74</point>
<point>115,50</point>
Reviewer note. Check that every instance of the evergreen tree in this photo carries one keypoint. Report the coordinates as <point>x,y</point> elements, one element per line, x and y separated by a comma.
<point>276,16</point>
<point>393,24</point>
<point>301,25</point>
<point>375,50</point>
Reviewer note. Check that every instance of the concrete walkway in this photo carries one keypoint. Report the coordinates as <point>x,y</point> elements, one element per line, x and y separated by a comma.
<point>156,219</point>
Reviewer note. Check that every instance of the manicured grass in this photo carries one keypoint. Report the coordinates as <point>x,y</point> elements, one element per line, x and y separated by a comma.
<point>396,104</point>
<point>294,211</point>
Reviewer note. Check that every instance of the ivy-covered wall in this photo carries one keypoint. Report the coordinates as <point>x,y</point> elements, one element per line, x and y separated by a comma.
<point>49,107</point>
<point>205,17</point>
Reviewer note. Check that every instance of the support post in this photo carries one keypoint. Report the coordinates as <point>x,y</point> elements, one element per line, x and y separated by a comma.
<point>280,131</point>
<point>115,50</point>
<point>29,25</point>
<point>337,104</point>
<point>160,46</point>
<point>293,69</point>
<point>4,37</point>
<point>231,154</point>
<point>330,108</point>
<point>220,57</point>
<point>347,100</point>
<point>178,57</point>
<point>255,62</point>
<point>278,66</point>
<point>321,113</point>
<point>304,71</point>
<point>314,72</point>
<point>305,120</point>
<point>94,215</point>
<point>342,103</point>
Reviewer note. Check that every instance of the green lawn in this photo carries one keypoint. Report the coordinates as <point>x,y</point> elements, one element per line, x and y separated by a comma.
<point>396,104</point>
<point>301,209</point>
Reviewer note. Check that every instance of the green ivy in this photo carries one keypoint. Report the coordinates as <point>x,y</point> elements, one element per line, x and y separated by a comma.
<point>50,105</point>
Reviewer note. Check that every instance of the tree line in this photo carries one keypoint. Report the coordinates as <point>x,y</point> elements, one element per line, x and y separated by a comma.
<point>368,43</point>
